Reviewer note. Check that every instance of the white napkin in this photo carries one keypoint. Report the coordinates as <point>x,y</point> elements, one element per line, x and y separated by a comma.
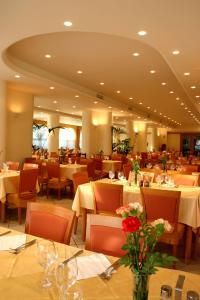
<point>92,265</point>
<point>13,241</point>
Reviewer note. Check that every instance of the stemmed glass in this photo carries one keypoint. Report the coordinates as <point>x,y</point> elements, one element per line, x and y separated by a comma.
<point>111,175</point>
<point>47,255</point>
<point>120,175</point>
<point>159,179</point>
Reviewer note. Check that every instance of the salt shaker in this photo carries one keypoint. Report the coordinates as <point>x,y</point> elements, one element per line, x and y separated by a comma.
<point>165,292</point>
<point>192,295</point>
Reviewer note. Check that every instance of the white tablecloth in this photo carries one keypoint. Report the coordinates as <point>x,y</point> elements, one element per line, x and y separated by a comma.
<point>68,170</point>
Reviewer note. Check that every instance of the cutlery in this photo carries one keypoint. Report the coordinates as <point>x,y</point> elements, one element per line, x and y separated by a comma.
<point>21,247</point>
<point>108,272</point>
<point>4,233</point>
<point>73,256</point>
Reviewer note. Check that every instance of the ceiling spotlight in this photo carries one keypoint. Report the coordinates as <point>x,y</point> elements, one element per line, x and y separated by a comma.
<point>171,92</point>
<point>140,103</point>
<point>76,96</point>
<point>182,103</point>
<point>142,33</point>
<point>57,109</point>
<point>74,106</point>
<point>136,54</point>
<point>95,102</point>
<point>163,83</point>
<point>38,106</point>
<point>177,98</point>
<point>17,76</point>
<point>47,56</point>
<point>152,71</point>
<point>193,87</point>
<point>175,52</point>
<point>118,92</point>
<point>109,106</point>
<point>52,88</point>
<point>130,98</point>
<point>148,107</point>
<point>101,83</point>
<point>186,73</point>
<point>67,23</point>
<point>197,96</point>
<point>121,111</point>
<point>55,101</point>
<point>79,72</point>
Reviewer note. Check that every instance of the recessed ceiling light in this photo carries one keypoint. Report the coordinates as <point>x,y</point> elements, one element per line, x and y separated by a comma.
<point>171,92</point>
<point>57,109</point>
<point>55,101</point>
<point>136,54</point>
<point>175,52</point>
<point>48,55</point>
<point>17,76</point>
<point>165,116</point>
<point>109,106</point>
<point>189,111</point>
<point>152,71</point>
<point>38,106</point>
<point>177,98</point>
<point>80,72</point>
<point>139,117</point>
<point>101,83</point>
<point>68,23</point>
<point>197,96</point>
<point>72,113</point>
<point>52,88</point>
<point>155,110</point>
<point>186,73</point>
<point>95,102</point>
<point>140,103</point>
<point>130,98</point>
<point>118,92</point>
<point>186,107</point>
<point>160,114</point>
<point>182,103</point>
<point>193,87</point>
<point>76,96</point>
<point>148,107</point>
<point>142,33</point>
<point>163,83</point>
<point>74,106</point>
<point>121,111</point>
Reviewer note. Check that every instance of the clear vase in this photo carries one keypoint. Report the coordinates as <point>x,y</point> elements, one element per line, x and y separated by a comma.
<point>140,286</point>
<point>135,178</point>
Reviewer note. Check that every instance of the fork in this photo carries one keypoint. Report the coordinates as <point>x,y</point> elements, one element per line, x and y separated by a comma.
<point>108,272</point>
<point>21,247</point>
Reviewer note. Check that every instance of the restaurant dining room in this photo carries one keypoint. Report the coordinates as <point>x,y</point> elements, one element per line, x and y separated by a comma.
<point>99,150</point>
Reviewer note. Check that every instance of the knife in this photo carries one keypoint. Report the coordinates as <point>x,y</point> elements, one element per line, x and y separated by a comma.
<point>4,233</point>
<point>73,256</point>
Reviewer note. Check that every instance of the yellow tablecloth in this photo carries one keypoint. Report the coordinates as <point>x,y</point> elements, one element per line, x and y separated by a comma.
<point>9,182</point>
<point>111,165</point>
<point>68,170</point>
<point>20,277</point>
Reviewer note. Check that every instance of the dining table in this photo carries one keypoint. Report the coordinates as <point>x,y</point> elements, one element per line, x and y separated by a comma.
<point>21,276</point>
<point>189,208</point>
<point>69,169</point>
<point>111,165</point>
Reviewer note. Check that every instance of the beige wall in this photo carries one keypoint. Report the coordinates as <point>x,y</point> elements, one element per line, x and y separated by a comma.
<point>2,121</point>
<point>19,125</point>
<point>173,141</point>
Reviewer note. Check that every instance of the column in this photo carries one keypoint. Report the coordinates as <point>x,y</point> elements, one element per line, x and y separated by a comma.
<point>162,137</point>
<point>2,121</point>
<point>130,132</point>
<point>19,125</point>
<point>53,137</point>
<point>152,139</point>
<point>96,132</point>
<point>140,136</point>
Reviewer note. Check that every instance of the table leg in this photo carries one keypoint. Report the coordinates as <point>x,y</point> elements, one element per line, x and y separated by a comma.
<point>84,221</point>
<point>188,244</point>
<point>2,212</point>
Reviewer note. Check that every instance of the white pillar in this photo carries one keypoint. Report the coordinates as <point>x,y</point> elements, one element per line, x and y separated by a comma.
<point>130,132</point>
<point>53,137</point>
<point>19,125</point>
<point>2,121</point>
<point>140,136</point>
<point>152,139</point>
<point>162,137</point>
<point>96,132</point>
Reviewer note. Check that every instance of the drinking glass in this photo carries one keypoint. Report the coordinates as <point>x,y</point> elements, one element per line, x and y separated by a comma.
<point>159,179</point>
<point>120,175</point>
<point>47,256</point>
<point>111,175</point>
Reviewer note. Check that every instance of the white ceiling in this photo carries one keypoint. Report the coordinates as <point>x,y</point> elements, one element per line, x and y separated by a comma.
<point>101,42</point>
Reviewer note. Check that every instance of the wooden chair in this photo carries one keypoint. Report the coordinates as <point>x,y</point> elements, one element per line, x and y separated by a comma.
<point>127,169</point>
<point>49,221</point>
<point>196,246</point>
<point>55,181</point>
<point>189,169</point>
<point>164,204</point>
<point>104,234</point>
<point>26,192</point>
<point>182,179</point>
<point>79,178</point>
<point>13,165</point>
<point>28,166</point>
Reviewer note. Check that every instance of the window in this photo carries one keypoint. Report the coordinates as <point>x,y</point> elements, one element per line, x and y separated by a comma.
<point>40,137</point>
<point>67,138</point>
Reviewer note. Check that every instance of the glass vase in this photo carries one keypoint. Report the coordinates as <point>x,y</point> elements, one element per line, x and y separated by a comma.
<point>135,178</point>
<point>140,286</point>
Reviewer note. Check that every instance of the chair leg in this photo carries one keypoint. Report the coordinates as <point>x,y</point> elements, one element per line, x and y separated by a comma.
<point>19,215</point>
<point>75,224</point>
<point>47,192</point>
<point>196,243</point>
<point>59,192</point>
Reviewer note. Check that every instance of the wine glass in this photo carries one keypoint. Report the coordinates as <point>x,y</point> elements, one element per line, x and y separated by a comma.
<point>47,255</point>
<point>159,179</point>
<point>120,175</point>
<point>111,175</point>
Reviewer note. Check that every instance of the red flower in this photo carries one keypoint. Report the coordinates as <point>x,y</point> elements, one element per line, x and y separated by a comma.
<point>131,224</point>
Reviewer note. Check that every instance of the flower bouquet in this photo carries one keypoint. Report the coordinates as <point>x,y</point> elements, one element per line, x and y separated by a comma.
<point>142,238</point>
<point>136,168</point>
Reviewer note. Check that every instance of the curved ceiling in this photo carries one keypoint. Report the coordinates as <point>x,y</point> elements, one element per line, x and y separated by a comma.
<point>101,44</point>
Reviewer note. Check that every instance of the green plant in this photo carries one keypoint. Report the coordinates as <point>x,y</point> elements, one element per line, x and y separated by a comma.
<point>123,147</point>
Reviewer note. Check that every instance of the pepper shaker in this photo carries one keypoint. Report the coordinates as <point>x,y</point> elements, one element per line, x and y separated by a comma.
<point>192,295</point>
<point>165,292</point>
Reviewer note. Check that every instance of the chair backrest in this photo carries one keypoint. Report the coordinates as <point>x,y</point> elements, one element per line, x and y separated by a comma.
<point>107,197</point>
<point>188,169</point>
<point>28,166</point>
<point>91,168</point>
<point>53,170</point>
<point>126,169</point>
<point>49,221</point>
<point>104,234</point>
<point>27,183</point>
<point>80,178</point>
<point>13,165</point>
<point>161,204</point>
<point>149,176</point>
<point>30,159</point>
<point>183,179</point>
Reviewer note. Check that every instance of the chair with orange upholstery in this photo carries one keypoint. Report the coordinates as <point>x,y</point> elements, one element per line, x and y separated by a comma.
<point>126,169</point>
<point>26,192</point>
<point>27,166</point>
<point>189,169</point>
<point>183,179</point>
<point>55,181</point>
<point>13,165</point>
<point>30,160</point>
<point>104,235</point>
<point>107,197</point>
<point>42,177</point>
<point>40,215</point>
<point>164,204</point>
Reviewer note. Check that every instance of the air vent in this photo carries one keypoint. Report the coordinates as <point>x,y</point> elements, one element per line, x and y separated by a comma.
<point>99,95</point>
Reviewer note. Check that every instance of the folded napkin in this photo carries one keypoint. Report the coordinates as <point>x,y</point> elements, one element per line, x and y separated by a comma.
<point>13,241</point>
<point>92,265</point>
